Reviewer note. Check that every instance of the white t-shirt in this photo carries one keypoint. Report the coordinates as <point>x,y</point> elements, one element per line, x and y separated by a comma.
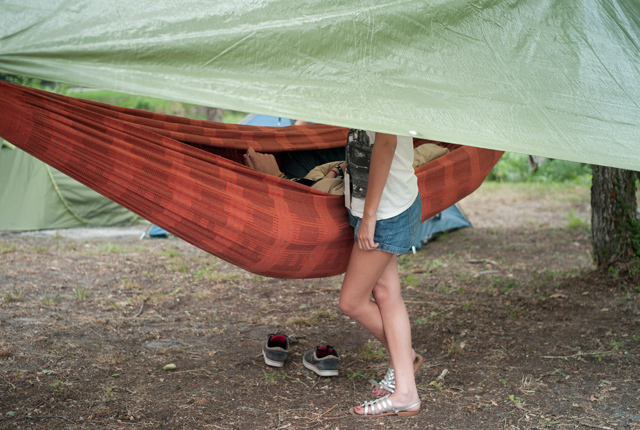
<point>401,188</point>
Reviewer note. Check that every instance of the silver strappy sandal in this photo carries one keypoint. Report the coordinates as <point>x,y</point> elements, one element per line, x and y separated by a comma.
<point>388,383</point>
<point>383,407</point>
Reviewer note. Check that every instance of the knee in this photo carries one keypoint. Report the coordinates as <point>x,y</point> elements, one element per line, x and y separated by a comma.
<point>382,293</point>
<point>348,306</point>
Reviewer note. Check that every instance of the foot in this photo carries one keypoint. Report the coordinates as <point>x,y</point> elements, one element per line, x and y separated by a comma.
<point>385,406</point>
<point>388,384</point>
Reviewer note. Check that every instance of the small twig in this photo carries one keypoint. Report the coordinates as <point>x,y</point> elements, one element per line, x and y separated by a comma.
<point>324,413</point>
<point>314,385</point>
<point>482,261</point>
<point>578,354</point>
<point>595,426</point>
<point>40,417</point>
<point>442,375</point>
<point>195,370</point>
<point>142,306</point>
<point>247,358</point>
<point>485,272</point>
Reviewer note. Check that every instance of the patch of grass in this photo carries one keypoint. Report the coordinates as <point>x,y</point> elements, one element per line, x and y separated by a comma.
<point>203,295</point>
<point>171,252</point>
<point>372,350</point>
<point>412,280</point>
<point>111,248</point>
<point>178,266</point>
<point>13,296</point>
<point>108,394</point>
<point>615,343</point>
<point>57,386</point>
<point>576,223</point>
<point>39,249</point>
<point>499,284</point>
<point>6,247</point>
<point>80,293</point>
<point>514,313</point>
<point>436,316</point>
<point>455,348</point>
<point>515,399</point>
<point>312,319</point>
<point>46,300</point>
<point>434,264</point>
<point>358,374</point>
<point>270,378</point>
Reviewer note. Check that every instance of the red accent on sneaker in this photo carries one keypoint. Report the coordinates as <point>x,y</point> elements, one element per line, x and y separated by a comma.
<point>323,351</point>
<point>278,339</point>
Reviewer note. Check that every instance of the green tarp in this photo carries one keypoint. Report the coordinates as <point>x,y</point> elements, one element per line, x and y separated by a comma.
<point>554,78</point>
<point>34,196</point>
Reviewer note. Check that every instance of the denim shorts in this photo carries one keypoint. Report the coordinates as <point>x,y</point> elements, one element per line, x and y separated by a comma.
<point>394,235</point>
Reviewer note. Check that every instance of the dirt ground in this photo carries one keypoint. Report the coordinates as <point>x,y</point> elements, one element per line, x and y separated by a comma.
<point>517,330</point>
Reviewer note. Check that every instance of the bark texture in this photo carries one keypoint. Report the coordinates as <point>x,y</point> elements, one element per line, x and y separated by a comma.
<point>614,221</point>
<point>214,114</point>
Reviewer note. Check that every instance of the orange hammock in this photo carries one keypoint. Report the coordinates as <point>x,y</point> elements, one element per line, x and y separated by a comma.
<point>186,176</point>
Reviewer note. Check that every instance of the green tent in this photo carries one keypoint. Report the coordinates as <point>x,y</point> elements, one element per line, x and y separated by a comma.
<point>557,79</point>
<point>34,196</point>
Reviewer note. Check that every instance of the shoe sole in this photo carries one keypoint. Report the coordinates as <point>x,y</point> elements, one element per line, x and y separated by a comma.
<point>272,363</point>
<point>386,414</point>
<point>318,371</point>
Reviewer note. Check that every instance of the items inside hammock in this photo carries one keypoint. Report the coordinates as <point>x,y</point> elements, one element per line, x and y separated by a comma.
<point>187,177</point>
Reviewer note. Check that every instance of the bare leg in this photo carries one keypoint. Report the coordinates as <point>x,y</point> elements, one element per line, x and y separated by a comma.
<point>386,319</point>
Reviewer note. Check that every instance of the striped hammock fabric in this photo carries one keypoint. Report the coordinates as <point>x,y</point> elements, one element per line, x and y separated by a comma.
<point>187,177</point>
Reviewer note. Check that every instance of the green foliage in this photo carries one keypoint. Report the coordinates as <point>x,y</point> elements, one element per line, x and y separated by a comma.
<point>514,167</point>
<point>125,100</point>
<point>55,87</point>
<point>13,296</point>
<point>372,350</point>
<point>80,293</point>
<point>6,247</point>
<point>358,374</point>
<point>576,223</point>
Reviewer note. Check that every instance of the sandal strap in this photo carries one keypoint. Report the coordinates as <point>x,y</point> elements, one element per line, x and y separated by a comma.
<point>383,405</point>
<point>388,383</point>
<point>378,407</point>
<point>396,411</point>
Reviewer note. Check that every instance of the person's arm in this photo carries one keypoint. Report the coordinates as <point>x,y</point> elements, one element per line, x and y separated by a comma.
<point>381,157</point>
<point>335,171</point>
<point>265,163</point>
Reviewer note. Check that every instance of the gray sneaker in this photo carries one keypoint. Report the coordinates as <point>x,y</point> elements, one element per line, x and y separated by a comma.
<point>323,360</point>
<point>275,350</point>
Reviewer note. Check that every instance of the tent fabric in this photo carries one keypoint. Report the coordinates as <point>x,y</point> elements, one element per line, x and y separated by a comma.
<point>34,196</point>
<point>557,79</point>
<point>448,220</point>
<point>265,224</point>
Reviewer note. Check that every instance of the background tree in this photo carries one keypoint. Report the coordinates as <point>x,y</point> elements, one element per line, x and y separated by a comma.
<point>615,227</point>
<point>214,114</point>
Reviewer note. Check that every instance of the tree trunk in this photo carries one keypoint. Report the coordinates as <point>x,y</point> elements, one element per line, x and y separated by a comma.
<point>614,221</point>
<point>214,114</point>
